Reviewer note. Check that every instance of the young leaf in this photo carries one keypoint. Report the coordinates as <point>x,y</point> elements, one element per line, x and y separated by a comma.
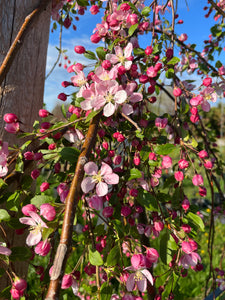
<point>135,173</point>
<point>101,53</point>
<point>197,220</point>
<point>132,29</point>
<point>4,216</point>
<point>113,257</point>
<point>95,258</point>
<point>164,149</point>
<point>90,55</point>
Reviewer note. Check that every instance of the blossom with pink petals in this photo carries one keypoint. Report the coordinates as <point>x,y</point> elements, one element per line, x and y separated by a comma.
<point>100,178</point>
<point>36,228</point>
<point>121,56</point>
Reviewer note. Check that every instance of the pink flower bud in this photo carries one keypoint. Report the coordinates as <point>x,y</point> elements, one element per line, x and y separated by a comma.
<point>62,96</point>
<point>94,9</point>
<point>169,53</point>
<point>43,113</point>
<point>117,159</point>
<point>207,81</point>
<point>12,127</point>
<point>28,208</point>
<point>44,186</point>
<point>47,211</point>
<point>194,118</point>
<point>45,125</point>
<point>137,161</point>
<point>152,255</point>
<point>67,83</point>
<point>52,146</point>
<point>95,38</point>
<point>186,247</point>
<point>148,50</point>
<point>183,164</point>
<point>10,118</point>
<point>42,248</point>
<point>158,225</point>
<point>202,191</point>
<point>20,284</point>
<point>34,174</point>
<point>203,154</point>
<point>197,180</point>
<point>138,261</point>
<point>124,6</point>
<point>177,92</point>
<point>154,181</point>
<point>133,192</point>
<point>183,37</point>
<point>166,162</point>
<point>125,211</point>
<point>38,156</point>
<point>185,204</point>
<point>106,64</point>
<point>152,156</point>
<point>95,202</point>
<point>79,49</point>
<point>143,79</point>
<point>107,212</point>
<point>186,228</point>
<point>208,164</point>
<point>67,281</point>
<point>179,176</point>
<point>151,90</point>
<point>122,70</point>
<point>28,155</point>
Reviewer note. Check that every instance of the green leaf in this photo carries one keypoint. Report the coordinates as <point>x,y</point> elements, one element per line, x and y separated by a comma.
<point>173,61</point>
<point>19,163</point>
<point>197,220</point>
<point>4,216</point>
<point>113,256</point>
<point>163,247</point>
<point>170,73</point>
<point>139,51</point>
<point>46,233</point>
<point>90,55</point>
<point>147,200</point>
<point>20,253</point>
<point>13,201</point>
<point>63,110</point>
<point>164,149</point>
<point>101,53</point>
<point>24,146</point>
<point>134,173</point>
<point>194,143</point>
<point>92,115</point>
<point>82,2</point>
<point>145,12</point>
<point>70,154</point>
<point>95,258</point>
<point>132,29</point>
<point>218,64</point>
<point>144,153</point>
<point>41,199</point>
<point>106,291</point>
<point>3,184</point>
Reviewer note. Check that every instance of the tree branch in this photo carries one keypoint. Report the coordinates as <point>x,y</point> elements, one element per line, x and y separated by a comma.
<point>217,8</point>
<point>29,20</point>
<point>71,203</point>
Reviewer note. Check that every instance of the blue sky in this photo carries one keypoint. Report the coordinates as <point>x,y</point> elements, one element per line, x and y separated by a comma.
<point>195,25</point>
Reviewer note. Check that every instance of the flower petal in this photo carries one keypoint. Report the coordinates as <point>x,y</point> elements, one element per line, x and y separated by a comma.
<point>130,282</point>
<point>109,109</point>
<point>120,96</point>
<point>91,168</point>
<point>101,189</point>
<point>106,169</point>
<point>33,238</point>
<point>87,184</point>
<point>148,275</point>
<point>142,284</point>
<point>111,179</point>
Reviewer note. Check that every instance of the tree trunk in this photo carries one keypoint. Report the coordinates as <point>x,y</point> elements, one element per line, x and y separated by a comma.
<point>22,90</point>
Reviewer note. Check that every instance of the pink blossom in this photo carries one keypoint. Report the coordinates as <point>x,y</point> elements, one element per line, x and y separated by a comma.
<point>190,259</point>
<point>42,248</point>
<point>37,226</point>
<point>151,72</point>
<point>121,56</point>
<point>183,37</point>
<point>94,9</point>
<point>197,180</point>
<point>100,178</point>
<point>63,191</point>
<point>132,98</point>
<point>28,155</point>
<point>47,211</point>
<point>152,255</point>
<point>185,204</point>
<point>3,159</point>
<point>177,92</point>
<point>208,94</point>
<point>35,174</point>
<point>140,276</point>
<point>203,154</point>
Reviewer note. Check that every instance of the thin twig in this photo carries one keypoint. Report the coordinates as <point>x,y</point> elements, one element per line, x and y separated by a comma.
<point>131,121</point>
<point>217,8</point>
<point>29,20</point>
<point>71,204</point>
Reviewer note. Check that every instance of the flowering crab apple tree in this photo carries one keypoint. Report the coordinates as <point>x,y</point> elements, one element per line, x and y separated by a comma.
<point>114,215</point>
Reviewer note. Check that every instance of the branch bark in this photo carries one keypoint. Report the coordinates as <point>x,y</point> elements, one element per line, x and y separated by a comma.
<point>71,203</point>
<point>7,62</point>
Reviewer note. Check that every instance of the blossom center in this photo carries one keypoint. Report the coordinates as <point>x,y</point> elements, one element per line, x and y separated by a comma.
<point>138,276</point>
<point>35,229</point>
<point>97,177</point>
<point>109,98</point>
